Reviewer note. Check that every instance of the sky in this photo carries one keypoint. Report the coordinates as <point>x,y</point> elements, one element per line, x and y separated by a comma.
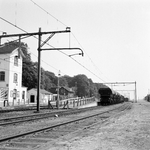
<point>114,35</point>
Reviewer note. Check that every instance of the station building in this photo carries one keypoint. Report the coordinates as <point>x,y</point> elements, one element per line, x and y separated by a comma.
<point>45,96</point>
<point>11,91</point>
<point>64,92</point>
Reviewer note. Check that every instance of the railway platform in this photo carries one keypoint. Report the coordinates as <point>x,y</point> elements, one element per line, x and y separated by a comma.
<point>92,104</point>
<point>63,104</point>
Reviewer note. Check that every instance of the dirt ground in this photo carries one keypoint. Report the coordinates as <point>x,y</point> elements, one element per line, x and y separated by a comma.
<point>130,131</point>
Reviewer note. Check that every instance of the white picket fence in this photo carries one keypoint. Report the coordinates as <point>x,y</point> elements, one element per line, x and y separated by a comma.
<point>75,102</point>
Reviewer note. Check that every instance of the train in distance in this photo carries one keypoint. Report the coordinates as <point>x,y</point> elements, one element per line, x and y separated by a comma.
<point>109,96</point>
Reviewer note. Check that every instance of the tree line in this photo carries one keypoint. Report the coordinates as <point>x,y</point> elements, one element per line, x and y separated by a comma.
<point>81,84</point>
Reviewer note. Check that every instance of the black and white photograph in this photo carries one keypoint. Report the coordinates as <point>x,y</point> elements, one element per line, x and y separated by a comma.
<point>74,75</point>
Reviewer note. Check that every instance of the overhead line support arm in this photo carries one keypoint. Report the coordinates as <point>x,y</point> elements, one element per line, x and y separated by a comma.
<point>65,49</point>
<point>39,51</point>
<point>34,33</point>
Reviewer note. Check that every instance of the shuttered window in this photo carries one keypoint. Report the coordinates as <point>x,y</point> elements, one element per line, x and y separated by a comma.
<point>15,77</point>
<point>16,60</point>
<point>2,76</point>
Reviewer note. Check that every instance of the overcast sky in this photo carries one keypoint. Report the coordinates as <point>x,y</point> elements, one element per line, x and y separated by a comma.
<point>114,35</point>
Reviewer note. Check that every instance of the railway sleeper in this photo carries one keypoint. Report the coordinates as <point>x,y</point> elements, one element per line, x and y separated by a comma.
<point>46,136</point>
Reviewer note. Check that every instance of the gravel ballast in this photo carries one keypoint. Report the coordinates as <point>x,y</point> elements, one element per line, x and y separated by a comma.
<point>130,131</point>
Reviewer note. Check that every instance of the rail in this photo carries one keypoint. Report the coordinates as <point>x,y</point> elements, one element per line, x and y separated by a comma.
<point>30,135</point>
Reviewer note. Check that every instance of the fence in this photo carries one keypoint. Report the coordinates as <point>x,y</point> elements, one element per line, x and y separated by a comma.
<point>75,102</point>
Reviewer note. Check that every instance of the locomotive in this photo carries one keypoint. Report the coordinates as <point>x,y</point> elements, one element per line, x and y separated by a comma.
<point>109,96</point>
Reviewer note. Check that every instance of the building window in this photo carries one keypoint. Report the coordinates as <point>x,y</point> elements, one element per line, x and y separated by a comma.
<point>15,77</point>
<point>2,76</point>
<point>18,94</point>
<point>15,94</point>
<point>23,94</point>
<point>16,60</point>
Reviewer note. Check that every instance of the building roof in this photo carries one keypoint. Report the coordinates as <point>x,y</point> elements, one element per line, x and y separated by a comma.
<point>68,89</point>
<point>54,89</point>
<point>9,48</point>
<point>42,91</point>
<point>45,92</point>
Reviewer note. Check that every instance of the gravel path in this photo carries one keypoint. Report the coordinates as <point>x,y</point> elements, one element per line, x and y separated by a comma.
<point>131,131</point>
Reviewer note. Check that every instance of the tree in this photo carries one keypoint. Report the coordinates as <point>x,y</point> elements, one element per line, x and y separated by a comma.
<point>29,70</point>
<point>79,83</point>
<point>52,78</point>
<point>48,83</point>
<point>69,80</point>
<point>63,81</point>
<point>82,83</point>
<point>93,88</point>
<point>29,75</point>
<point>49,80</point>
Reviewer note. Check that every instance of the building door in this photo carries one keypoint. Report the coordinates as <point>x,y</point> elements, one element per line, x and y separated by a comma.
<point>14,96</point>
<point>32,99</point>
<point>23,97</point>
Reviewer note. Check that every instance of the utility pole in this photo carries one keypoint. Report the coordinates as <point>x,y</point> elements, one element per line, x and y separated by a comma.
<point>58,90</point>
<point>39,72</point>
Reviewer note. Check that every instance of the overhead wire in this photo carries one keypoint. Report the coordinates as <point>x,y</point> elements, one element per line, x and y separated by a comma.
<point>13,24</point>
<point>34,37</point>
<point>48,13</point>
<point>88,56</point>
<point>4,59</point>
<point>51,45</point>
<point>69,35</point>
<point>17,39</point>
<point>87,69</point>
<point>58,50</point>
<point>33,53</point>
<point>11,70</point>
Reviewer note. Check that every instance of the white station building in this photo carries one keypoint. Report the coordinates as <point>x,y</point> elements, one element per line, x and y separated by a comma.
<point>11,91</point>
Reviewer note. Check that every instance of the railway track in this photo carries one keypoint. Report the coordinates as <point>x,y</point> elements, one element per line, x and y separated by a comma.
<point>23,108</point>
<point>37,116</point>
<point>34,139</point>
